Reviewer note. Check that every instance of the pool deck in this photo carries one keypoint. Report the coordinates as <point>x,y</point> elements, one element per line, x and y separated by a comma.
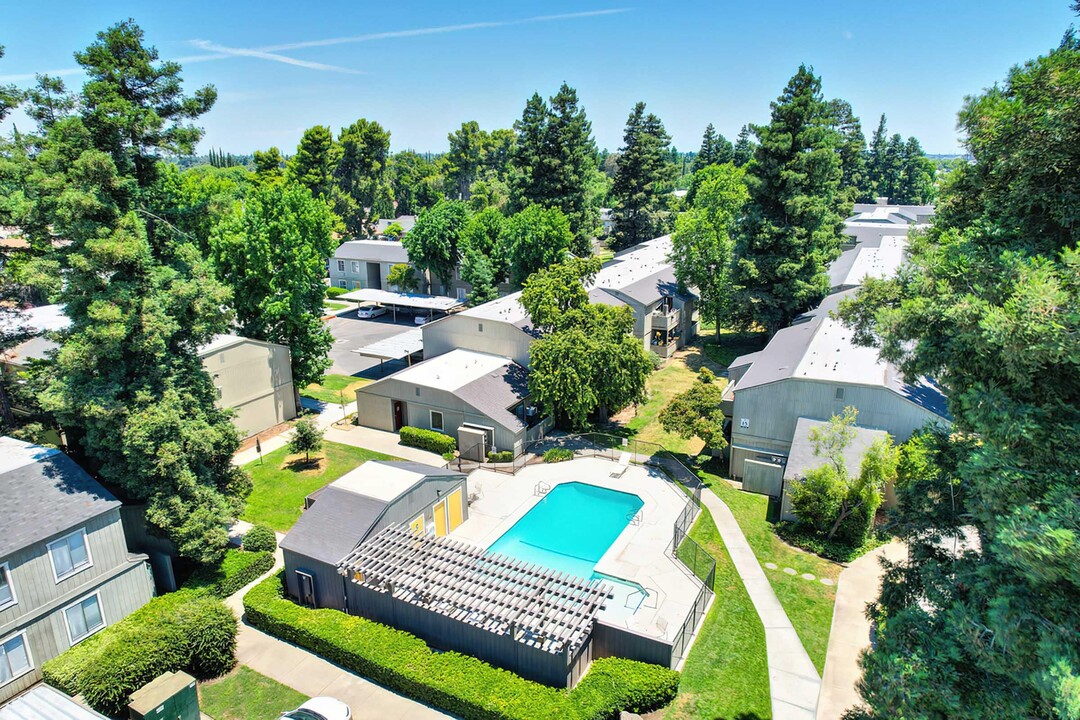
<point>640,553</point>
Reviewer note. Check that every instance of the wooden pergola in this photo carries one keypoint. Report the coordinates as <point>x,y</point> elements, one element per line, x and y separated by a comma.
<point>535,605</point>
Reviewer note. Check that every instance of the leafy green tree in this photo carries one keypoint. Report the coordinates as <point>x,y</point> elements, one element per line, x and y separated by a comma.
<point>744,147</point>
<point>477,270</point>
<point>315,160</point>
<point>194,201</point>
<point>552,295</point>
<point>468,147</point>
<point>415,182</point>
<point>134,106</point>
<point>715,149</point>
<point>360,176</point>
<point>49,101</point>
<point>307,438</point>
<point>916,186</point>
<point>703,243</point>
<point>643,168</point>
<point>483,234</point>
<point>852,151</point>
<point>796,209</point>
<point>535,238</point>
<point>10,95</point>
<point>696,413</point>
<point>434,243</point>
<point>269,166</point>
<point>273,255</point>
<point>990,306</point>
<point>403,278</point>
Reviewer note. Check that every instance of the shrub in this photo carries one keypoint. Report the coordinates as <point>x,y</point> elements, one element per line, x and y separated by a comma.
<point>237,569</point>
<point>449,456</point>
<point>501,457</point>
<point>333,291</point>
<point>803,536</point>
<point>555,455</point>
<point>260,539</point>
<point>428,440</point>
<point>187,630</point>
<point>460,684</point>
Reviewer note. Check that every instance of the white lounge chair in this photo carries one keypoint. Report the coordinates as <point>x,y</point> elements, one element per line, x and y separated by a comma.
<point>624,462</point>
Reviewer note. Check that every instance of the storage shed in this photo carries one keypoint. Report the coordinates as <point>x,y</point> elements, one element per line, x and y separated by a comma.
<point>428,500</point>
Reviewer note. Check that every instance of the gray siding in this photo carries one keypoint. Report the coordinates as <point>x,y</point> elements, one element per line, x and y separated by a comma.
<point>464,331</point>
<point>123,582</point>
<point>614,641</point>
<point>773,410</point>
<point>254,379</point>
<point>329,591</point>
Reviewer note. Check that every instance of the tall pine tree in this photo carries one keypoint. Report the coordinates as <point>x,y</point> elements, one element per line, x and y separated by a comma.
<point>796,208</point>
<point>638,210</point>
<point>744,147</point>
<point>852,149</point>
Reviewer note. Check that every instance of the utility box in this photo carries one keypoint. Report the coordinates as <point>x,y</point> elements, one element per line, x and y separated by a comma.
<point>171,696</point>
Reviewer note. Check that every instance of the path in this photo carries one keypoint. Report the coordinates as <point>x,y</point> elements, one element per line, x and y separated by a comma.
<point>377,440</point>
<point>309,674</point>
<point>793,680</point>
<point>858,585</point>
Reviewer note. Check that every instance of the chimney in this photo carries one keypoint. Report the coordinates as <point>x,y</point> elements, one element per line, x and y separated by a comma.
<point>882,200</point>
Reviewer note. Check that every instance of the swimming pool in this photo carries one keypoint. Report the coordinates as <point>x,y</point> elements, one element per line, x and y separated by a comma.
<point>571,528</point>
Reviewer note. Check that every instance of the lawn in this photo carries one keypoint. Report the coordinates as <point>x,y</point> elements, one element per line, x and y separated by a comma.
<point>247,695</point>
<point>731,345</point>
<point>726,675</point>
<point>335,306</point>
<point>675,377</point>
<point>282,481</point>
<point>808,603</point>
<point>335,387</point>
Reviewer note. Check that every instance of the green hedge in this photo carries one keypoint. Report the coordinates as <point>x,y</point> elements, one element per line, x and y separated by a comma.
<point>333,291</point>
<point>459,684</point>
<point>260,538</point>
<point>428,440</point>
<point>501,457</point>
<point>555,455</point>
<point>237,569</point>
<point>187,630</point>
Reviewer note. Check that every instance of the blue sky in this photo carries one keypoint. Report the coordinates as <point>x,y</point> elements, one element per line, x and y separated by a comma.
<point>422,68</point>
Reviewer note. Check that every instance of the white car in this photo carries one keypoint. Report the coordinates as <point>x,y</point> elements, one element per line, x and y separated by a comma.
<point>422,319</point>
<point>369,312</point>
<point>320,708</point>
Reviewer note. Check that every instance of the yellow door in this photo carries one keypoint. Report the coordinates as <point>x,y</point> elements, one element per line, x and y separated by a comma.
<point>417,525</point>
<point>440,518</point>
<point>454,508</point>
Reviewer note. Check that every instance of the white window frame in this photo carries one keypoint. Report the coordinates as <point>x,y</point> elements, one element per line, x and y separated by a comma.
<point>101,611</point>
<point>431,420</point>
<point>75,571</point>
<point>29,656</point>
<point>341,266</point>
<point>356,267</point>
<point>5,570</point>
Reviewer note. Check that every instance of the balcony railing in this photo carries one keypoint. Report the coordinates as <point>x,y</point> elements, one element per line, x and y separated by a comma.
<point>665,320</point>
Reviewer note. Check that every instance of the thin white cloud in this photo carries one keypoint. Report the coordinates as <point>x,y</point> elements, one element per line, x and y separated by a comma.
<point>22,77</point>
<point>266,55</point>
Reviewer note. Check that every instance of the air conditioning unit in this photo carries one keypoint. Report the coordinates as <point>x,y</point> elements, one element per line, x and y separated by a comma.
<point>171,696</point>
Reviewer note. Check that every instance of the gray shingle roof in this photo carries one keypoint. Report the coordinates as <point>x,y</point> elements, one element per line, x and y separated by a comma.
<point>334,525</point>
<point>49,492</point>
<point>493,393</point>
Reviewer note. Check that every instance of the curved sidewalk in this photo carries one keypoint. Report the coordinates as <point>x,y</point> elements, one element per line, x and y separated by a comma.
<point>794,684</point>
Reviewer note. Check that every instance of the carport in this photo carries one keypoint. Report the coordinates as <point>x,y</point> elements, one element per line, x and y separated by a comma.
<point>398,347</point>
<point>410,301</point>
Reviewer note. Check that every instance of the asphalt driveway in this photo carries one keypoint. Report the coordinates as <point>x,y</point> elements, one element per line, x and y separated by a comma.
<point>351,333</point>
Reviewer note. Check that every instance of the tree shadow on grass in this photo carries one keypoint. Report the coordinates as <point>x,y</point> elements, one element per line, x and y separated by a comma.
<point>303,465</point>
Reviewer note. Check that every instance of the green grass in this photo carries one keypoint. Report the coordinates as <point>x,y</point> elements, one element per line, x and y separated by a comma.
<point>731,345</point>
<point>726,675</point>
<point>335,387</point>
<point>808,603</point>
<point>282,481</point>
<point>335,306</point>
<point>247,695</point>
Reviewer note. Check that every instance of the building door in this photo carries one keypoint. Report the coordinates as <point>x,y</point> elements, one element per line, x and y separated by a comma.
<point>399,415</point>
<point>454,509</point>
<point>306,588</point>
<point>440,518</point>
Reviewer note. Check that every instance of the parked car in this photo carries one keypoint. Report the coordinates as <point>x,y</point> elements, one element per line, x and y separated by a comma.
<point>422,319</point>
<point>369,312</point>
<point>320,708</point>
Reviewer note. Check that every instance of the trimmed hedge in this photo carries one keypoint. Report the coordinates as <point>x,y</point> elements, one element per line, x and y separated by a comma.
<point>333,291</point>
<point>260,538</point>
<point>186,630</point>
<point>555,455</point>
<point>459,684</point>
<point>237,569</point>
<point>501,457</point>
<point>428,440</point>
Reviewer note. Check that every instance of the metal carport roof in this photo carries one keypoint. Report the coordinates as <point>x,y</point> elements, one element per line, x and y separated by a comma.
<point>396,347</point>
<point>416,301</point>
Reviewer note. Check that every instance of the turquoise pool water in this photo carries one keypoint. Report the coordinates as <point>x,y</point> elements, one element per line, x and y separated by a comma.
<point>571,528</point>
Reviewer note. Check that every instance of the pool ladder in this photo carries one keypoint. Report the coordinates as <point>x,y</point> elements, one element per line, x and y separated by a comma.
<point>635,518</point>
<point>542,488</point>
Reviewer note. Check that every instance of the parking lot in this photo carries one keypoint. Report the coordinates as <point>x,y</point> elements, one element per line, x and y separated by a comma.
<point>351,333</point>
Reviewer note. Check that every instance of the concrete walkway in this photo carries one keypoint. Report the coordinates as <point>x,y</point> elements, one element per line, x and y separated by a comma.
<point>850,634</point>
<point>309,674</point>
<point>793,680</point>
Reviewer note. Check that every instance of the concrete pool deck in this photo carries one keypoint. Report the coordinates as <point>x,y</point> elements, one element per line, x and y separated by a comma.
<point>639,555</point>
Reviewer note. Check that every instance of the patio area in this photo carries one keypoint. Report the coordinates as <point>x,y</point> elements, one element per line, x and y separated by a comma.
<point>639,558</point>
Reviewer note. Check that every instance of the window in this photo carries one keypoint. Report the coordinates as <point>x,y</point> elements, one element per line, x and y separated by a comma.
<point>461,293</point>
<point>342,284</point>
<point>7,591</point>
<point>479,327</point>
<point>839,393</point>
<point>341,265</point>
<point>84,619</point>
<point>14,658</point>
<point>417,392</point>
<point>436,420</point>
<point>356,267</point>
<point>70,555</point>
